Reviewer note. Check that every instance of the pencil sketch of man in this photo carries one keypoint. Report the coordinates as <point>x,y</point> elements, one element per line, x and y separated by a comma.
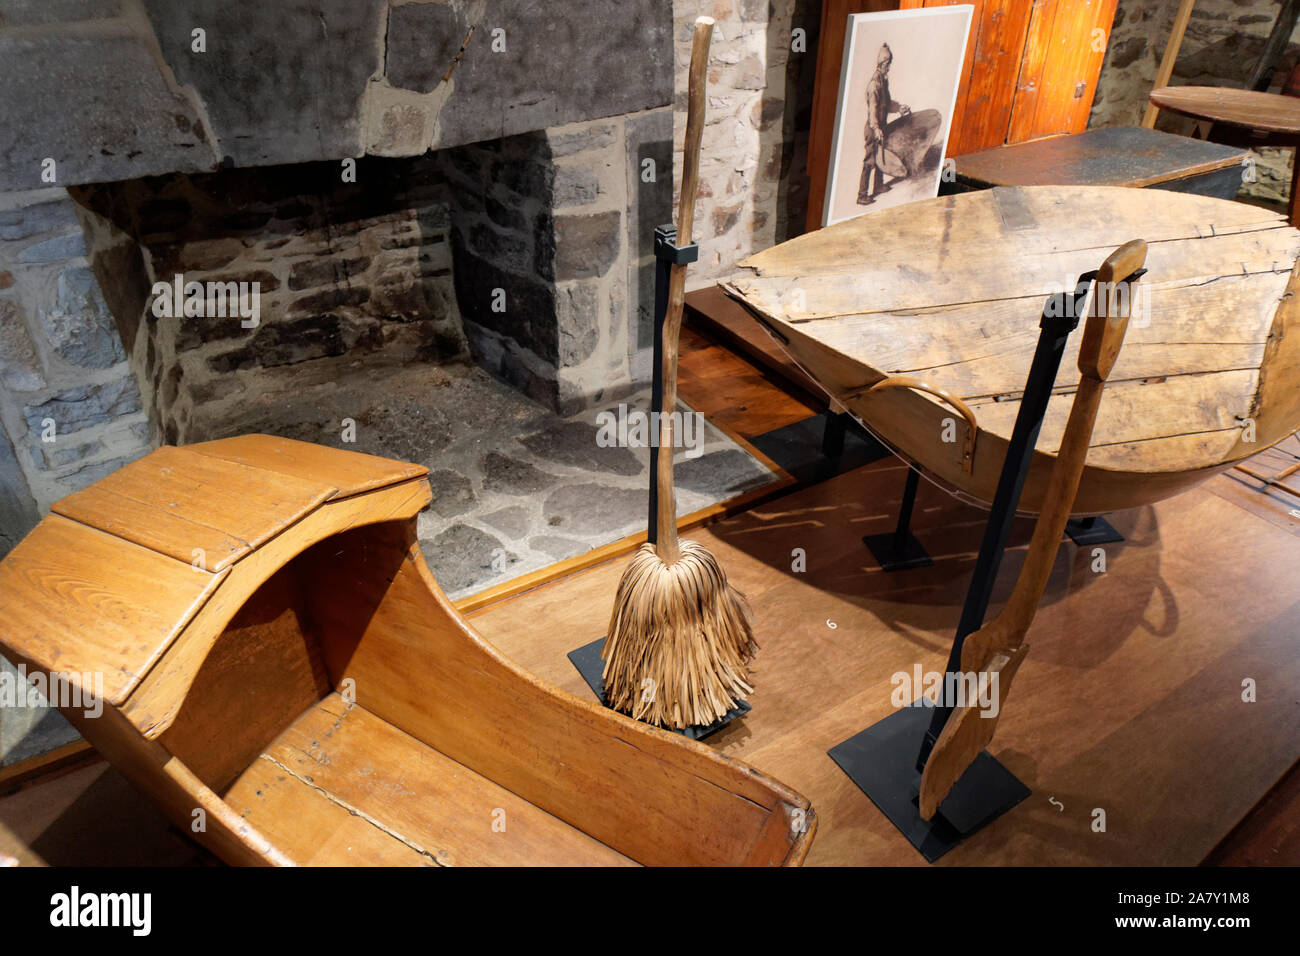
<point>880,159</point>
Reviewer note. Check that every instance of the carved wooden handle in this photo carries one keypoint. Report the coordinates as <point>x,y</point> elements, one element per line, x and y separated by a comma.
<point>998,648</point>
<point>972,428</point>
<point>1103,333</point>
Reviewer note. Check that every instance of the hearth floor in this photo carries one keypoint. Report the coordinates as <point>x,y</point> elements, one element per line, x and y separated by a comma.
<point>516,487</point>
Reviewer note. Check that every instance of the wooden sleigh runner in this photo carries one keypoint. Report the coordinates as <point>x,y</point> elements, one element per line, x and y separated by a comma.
<point>283,676</point>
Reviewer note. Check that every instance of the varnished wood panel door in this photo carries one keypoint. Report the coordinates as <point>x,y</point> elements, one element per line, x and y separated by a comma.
<point>1064,49</point>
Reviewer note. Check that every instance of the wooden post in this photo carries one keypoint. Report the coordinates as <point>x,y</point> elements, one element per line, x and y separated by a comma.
<point>1167,63</point>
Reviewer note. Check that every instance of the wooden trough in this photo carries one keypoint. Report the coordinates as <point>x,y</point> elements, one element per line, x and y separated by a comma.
<point>283,676</point>
<point>921,320</point>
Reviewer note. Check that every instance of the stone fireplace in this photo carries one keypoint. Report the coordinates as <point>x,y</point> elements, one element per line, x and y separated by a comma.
<point>403,182</point>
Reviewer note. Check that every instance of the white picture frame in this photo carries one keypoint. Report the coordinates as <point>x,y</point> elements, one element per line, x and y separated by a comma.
<point>927,53</point>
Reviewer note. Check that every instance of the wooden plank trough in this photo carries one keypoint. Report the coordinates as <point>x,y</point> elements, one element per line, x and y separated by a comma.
<point>921,321</point>
<point>277,669</point>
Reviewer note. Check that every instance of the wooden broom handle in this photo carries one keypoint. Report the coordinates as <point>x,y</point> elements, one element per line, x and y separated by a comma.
<point>1102,337</point>
<point>666,518</point>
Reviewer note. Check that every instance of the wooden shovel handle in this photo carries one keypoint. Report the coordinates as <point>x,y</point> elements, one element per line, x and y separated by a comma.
<point>1103,333</point>
<point>1103,336</point>
<point>666,519</point>
<point>998,647</point>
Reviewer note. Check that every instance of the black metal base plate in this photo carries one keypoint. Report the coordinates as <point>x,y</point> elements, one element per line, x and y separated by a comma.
<point>882,548</point>
<point>588,661</point>
<point>1097,530</point>
<point>881,760</point>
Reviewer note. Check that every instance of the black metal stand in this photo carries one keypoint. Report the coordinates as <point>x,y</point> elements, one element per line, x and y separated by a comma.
<point>587,658</point>
<point>880,761</point>
<point>887,759</point>
<point>588,661</point>
<point>837,425</point>
<point>900,549</point>
<point>1094,530</point>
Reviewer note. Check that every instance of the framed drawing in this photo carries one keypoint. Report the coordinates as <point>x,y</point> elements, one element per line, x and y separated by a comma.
<point>898,86</point>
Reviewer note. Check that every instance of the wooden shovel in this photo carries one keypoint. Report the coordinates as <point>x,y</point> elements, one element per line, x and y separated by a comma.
<point>996,650</point>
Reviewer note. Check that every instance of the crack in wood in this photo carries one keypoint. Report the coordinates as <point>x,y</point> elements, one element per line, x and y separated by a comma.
<point>377,824</point>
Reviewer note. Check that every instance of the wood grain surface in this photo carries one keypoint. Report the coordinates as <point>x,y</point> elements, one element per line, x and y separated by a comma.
<point>951,290</point>
<point>1131,701</point>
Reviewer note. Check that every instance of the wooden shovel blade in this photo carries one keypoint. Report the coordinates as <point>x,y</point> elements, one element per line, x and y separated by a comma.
<point>968,731</point>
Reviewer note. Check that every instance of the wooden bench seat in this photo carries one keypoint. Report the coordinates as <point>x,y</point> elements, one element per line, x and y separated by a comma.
<point>342,787</point>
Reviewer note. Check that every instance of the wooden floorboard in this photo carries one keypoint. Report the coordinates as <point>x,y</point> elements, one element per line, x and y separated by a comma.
<point>719,318</point>
<point>1129,701</point>
<point>742,399</point>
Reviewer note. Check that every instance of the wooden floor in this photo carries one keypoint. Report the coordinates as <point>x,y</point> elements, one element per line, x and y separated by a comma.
<point>1130,700</point>
<point>743,399</point>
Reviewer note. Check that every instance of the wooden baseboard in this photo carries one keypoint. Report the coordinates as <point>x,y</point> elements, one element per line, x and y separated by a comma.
<point>18,775</point>
<point>624,546</point>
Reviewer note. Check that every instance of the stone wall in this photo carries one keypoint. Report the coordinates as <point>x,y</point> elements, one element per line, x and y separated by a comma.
<point>350,277</point>
<point>552,238</point>
<point>1221,48</point>
<point>753,182</point>
<point>70,410</point>
<point>535,240</point>
<point>120,89</point>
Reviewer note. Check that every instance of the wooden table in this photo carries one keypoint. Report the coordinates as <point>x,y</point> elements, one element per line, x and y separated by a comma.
<point>950,291</point>
<point>1264,119</point>
<point>1110,156</point>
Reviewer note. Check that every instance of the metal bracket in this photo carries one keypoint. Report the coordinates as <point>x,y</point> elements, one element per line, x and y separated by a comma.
<point>666,247</point>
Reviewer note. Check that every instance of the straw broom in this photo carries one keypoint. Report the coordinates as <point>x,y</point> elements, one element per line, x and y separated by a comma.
<point>680,637</point>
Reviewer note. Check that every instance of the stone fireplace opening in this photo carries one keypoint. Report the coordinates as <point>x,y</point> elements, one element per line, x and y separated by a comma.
<point>499,253</point>
<point>473,308</point>
<point>440,213</point>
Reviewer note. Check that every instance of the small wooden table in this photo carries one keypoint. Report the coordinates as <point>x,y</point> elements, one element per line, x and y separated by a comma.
<point>949,292</point>
<point>1264,119</point>
<point>1111,156</point>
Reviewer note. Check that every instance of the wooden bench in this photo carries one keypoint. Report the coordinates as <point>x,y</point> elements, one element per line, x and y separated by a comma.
<point>277,664</point>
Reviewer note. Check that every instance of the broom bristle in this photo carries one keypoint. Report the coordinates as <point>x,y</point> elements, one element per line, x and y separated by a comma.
<point>683,627</point>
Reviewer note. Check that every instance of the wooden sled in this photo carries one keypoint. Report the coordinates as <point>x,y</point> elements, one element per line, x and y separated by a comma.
<point>921,320</point>
<point>283,676</point>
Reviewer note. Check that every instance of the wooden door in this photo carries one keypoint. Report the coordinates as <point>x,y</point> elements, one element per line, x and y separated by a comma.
<point>1064,50</point>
